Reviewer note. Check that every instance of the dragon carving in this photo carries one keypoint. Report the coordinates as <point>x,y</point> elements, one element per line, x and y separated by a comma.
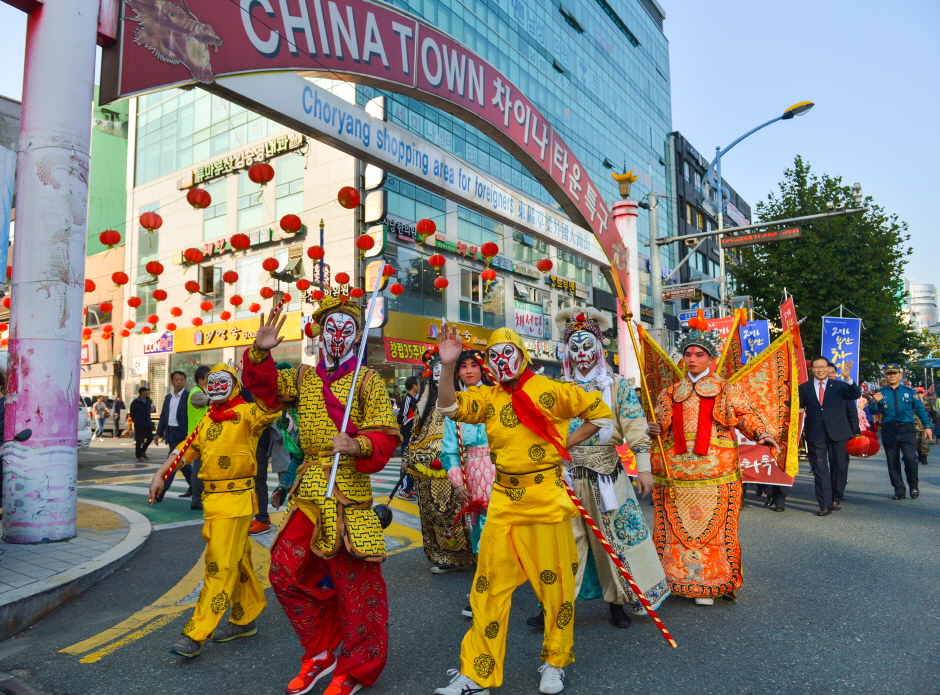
<point>174,35</point>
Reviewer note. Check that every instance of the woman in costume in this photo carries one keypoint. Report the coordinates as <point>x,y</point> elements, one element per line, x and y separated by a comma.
<point>697,492</point>
<point>466,455</point>
<point>446,546</point>
<point>600,483</point>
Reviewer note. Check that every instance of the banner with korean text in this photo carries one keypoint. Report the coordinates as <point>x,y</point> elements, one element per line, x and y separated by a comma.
<point>841,341</point>
<point>755,336</point>
<point>788,318</point>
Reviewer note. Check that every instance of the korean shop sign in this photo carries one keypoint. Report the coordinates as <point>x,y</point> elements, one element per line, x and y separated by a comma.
<point>245,158</point>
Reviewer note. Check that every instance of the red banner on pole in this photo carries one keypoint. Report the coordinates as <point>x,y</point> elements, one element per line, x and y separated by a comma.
<point>788,318</point>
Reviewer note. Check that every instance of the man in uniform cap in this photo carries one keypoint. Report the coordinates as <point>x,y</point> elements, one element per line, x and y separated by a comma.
<point>898,406</point>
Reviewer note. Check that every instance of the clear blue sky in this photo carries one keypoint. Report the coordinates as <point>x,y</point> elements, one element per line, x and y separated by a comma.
<point>873,70</point>
<point>871,67</point>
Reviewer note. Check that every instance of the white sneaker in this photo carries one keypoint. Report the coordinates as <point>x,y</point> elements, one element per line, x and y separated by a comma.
<point>704,602</point>
<point>461,685</point>
<point>553,679</point>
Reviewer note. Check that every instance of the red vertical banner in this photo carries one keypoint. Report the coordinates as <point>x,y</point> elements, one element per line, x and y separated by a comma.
<point>788,318</point>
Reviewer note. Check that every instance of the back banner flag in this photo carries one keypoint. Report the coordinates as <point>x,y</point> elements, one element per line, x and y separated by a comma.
<point>788,318</point>
<point>841,342</point>
<point>755,337</point>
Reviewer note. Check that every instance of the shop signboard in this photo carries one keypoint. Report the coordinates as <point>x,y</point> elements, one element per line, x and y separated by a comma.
<point>244,159</point>
<point>89,352</point>
<point>401,228</point>
<point>404,351</point>
<point>421,329</point>
<point>158,344</point>
<point>529,323</point>
<point>231,333</point>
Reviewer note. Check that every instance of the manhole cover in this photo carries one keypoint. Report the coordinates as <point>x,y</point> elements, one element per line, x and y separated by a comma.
<point>127,467</point>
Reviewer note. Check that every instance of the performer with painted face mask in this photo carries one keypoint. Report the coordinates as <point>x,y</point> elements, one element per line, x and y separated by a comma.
<point>600,482</point>
<point>226,438</point>
<point>697,501</point>
<point>446,546</point>
<point>466,455</point>
<point>326,557</point>
<point>528,533</point>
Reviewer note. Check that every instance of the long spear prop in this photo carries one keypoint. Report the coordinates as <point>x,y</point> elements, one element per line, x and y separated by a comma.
<point>359,359</point>
<point>620,566</point>
<point>179,456</point>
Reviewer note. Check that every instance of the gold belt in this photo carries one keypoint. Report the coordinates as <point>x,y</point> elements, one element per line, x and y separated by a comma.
<point>708,482</point>
<point>515,480</point>
<point>234,485</point>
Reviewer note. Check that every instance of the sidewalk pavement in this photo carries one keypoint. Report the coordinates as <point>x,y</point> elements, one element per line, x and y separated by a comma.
<point>37,579</point>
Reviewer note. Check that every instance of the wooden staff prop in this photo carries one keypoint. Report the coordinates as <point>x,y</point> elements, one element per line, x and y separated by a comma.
<point>179,456</point>
<point>359,359</point>
<point>620,566</point>
<point>651,410</point>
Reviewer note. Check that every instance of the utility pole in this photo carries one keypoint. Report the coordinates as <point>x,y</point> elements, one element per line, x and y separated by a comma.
<point>656,272</point>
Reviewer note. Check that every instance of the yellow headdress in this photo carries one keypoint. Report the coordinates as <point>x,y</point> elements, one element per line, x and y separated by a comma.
<point>507,335</point>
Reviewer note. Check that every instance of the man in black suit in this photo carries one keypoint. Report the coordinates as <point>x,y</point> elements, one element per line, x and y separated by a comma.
<point>172,425</point>
<point>826,428</point>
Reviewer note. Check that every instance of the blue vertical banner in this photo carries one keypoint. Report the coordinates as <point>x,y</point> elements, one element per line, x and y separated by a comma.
<point>841,342</point>
<point>755,337</point>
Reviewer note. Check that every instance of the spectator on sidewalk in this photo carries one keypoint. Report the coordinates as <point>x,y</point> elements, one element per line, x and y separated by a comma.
<point>116,413</point>
<point>923,442</point>
<point>173,426</point>
<point>406,418</point>
<point>195,409</point>
<point>101,414</point>
<point>139,412</point>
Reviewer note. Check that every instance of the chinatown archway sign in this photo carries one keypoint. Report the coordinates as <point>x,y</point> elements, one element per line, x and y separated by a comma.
<point>217,45</point>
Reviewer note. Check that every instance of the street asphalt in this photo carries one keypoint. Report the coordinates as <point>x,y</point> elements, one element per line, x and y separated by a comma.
<point>841,604</point>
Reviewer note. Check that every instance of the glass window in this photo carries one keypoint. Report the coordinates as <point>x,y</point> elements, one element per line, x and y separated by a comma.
<point>476,229</point>
<point>290,186</point>
<point>148,305</point>
<point>250,207</point>
<point>481,303</point>
<point>689,217</point>
<point>686,170</point>
<point>527,248</point>
<point>574,268</point>
<point>420,297</point>
<point>698,182</point>
<point>213,217</point>
<point>701,220</point>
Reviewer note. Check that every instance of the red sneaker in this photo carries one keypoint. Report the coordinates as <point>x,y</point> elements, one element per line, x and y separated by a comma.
<point>310,673</point>
<point>342,684</point>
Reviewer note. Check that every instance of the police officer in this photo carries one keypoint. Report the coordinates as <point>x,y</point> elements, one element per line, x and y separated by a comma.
<point>898,406</point>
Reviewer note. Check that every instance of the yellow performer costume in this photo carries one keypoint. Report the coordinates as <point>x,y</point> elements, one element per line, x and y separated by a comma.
<point>227,438</point>
<point>528,533</point>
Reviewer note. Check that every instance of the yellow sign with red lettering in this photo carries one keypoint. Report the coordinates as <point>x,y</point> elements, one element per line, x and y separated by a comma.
<point>231,333</point>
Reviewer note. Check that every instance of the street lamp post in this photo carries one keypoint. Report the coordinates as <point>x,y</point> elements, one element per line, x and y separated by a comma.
<point>713,176</point>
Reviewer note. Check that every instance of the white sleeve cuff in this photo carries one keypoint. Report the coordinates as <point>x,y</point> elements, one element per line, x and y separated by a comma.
<point>643,462</point>
<point>603,422</point>
<point>449,411</point>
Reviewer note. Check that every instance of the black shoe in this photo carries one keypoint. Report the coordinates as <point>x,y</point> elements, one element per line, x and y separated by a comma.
<point>824,511</point>
<point>186,646</point>
<point>618,616</point>
<point>467,612</point>
<point>835,506</point>
<point>915,494</point>
<point>769,502</point>
<point>899,496</point>
<point>196,508</point>
<point>780,507</point>
<point>188,493</point>
<point>536,621</point>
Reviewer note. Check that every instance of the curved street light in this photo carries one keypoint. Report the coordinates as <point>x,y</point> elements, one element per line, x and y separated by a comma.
<point>713,177</point>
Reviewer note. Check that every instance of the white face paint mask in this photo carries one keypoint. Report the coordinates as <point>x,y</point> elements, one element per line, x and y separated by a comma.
<point>219,386</point>
<point>436,372</point>
<point>505,361</point>
<point>339,334</point>
<point>582,350</point>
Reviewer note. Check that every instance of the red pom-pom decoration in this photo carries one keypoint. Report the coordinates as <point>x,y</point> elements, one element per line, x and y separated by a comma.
<point>545,265</point>
<point>291,224</point>
<point>270,264</point>
<point>134,302</point>
<point>348,197</point>
<point>199,198</point>
<point>303,284</point>
<point>266,293</point>
<point>396,289</point>
<point>261,173</point>
<point>89,285</point>
<point>436,464</point>
<point>120,278</point>
<point>159,295</point>
<point>315,253</point>
<point>109,238</point>
<point>239,242</point>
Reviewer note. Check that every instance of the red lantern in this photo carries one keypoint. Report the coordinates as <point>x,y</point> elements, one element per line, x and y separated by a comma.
<point>171,327</point>
<point>356,292</point>
<point>155,268</point>
<point>191,286</point>
<point>193,256</point>
<point>129,325</point>
<point>266,293</point>
<point>489,249</point>
<point>388,270</point>
<point>159,295</point>
<point>199,198</point>
<point>239,242</point>
<point>365,242</point>
<point>286,298</point>
<point>109,238</point>
<point>89,285</point>
<point>153,318</point>
<point>254,308</point>
<point>225,315</point>
<point>206,306</point>
<point>862,446</point>
<point>303,284</point>
<point>146,330</point>
<point>441,283</point>
<point>425,227</point>
<point>4,342</point>
<point>86,333</point>
<point>261,173</point>
<point>396,289</point>
<point>348,197</point>
<point>106,328</point>
<point>229,277</point>
<point>437,261</point>
<point>236,300</point>
<point>196,321</point>
<point>270,264</point>
<point>134,302</point>
<point>317,295</point>
<point>105,307</point>
<point>871,434</point>
<point>176,312</point>
<point>315,253</point>
<point>342,278</point>
<point>3,327</point>
<point>151,221</point>
<point>125,333</point>
<point>488,275</point>
<point>291,224</point>
<point>545,265</point>
<point>120,278</point>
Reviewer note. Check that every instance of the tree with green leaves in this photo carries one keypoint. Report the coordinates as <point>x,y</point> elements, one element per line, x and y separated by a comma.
<point>856,261</point>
